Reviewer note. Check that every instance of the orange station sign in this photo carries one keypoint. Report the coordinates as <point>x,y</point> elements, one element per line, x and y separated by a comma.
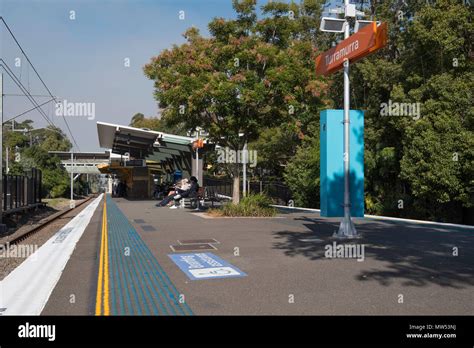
<point>366,41</point>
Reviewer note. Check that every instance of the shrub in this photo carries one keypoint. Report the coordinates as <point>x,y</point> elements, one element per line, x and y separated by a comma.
<point>257,205</point>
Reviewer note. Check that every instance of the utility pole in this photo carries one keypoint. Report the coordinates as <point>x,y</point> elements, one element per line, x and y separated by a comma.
<point>244,179</point>
<point>197,163</point>
<point>197,154</point>
<point>346,228</point>
<point>3,227</point>
<point>71,202</point>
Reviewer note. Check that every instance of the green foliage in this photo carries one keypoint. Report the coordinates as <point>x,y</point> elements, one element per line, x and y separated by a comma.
<point>33,148</point>
<point>51,139</point>
<point>275,147</point>
<point>426,163</point>
<point>252,70</point>
<point>136,119</point>
<point>55,182</point>
<point>257,205</point>
<point>250,74</point>
<point>302,172</point>
<point>154,123</point>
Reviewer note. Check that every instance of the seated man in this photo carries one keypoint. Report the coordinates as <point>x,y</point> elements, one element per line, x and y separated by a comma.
<point>191,192</point>
<point>180,187</point>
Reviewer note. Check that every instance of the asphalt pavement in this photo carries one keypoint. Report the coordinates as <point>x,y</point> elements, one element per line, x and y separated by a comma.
<point>403,268</point>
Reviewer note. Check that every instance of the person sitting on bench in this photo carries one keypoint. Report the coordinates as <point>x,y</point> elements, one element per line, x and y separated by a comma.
<point>191,192</point>
<point>182,186</point>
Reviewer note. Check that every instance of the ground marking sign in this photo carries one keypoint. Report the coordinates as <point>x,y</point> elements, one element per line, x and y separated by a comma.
<point>205,266</point>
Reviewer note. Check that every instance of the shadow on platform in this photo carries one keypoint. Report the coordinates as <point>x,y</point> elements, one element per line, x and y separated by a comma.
<point>416,254</point>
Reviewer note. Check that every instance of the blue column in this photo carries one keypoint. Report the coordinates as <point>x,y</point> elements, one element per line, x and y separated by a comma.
<point>332,166</point>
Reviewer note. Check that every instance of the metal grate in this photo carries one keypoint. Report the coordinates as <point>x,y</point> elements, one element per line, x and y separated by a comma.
<point>192,247</point>
<point>198,241</point>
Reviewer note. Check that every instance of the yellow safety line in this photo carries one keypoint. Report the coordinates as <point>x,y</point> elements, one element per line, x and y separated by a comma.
<point>106,268</point>
<point>102,294</point>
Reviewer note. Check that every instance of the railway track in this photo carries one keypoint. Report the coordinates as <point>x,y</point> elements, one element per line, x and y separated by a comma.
<point>26,234</point>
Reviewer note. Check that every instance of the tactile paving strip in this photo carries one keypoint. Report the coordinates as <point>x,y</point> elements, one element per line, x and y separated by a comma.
<point>138,284</point>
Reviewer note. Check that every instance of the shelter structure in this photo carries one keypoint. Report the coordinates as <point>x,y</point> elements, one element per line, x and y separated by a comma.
<point>141,158</point>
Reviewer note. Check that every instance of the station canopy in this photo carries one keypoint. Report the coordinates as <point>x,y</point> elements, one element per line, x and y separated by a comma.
<point>168,150</point>
<point>136,142</point>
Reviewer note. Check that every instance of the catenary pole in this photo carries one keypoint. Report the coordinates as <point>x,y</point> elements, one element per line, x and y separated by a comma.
<point>2,226</point>
<point>244,179</point>
<point>71,203</point>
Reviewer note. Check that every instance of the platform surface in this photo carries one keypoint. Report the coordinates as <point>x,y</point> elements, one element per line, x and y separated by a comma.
<point>408,268</point>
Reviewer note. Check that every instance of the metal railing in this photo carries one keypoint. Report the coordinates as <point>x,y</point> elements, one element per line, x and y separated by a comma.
<point>21,191</point>
<point>278,191</point>
<point>221,186</point>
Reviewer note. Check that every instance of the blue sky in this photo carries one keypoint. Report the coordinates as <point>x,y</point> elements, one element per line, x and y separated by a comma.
<point>82,60</point>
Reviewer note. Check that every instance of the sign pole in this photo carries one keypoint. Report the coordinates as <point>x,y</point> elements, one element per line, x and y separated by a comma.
<point>366,41</point>
<point>346,228</point>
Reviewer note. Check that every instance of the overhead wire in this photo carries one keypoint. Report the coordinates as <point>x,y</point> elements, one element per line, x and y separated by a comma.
<point>39,77</point>
<point>27,111</point>
<point>15,79</point>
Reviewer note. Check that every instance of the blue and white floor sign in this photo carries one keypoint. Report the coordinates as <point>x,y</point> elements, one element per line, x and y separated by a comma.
<point>205,266</point>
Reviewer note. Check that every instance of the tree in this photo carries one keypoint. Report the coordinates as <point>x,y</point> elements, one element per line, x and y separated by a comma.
<point>302,172</point>
<point>32,147</point>
<point>136,119</point>
<point>157,124</point>
<point>275,147</point>
<point>423,165</point>
<point>249,75</point>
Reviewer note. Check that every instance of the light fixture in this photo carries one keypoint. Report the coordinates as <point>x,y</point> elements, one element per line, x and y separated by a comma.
<point>359,24</point>
<point>332,25</point>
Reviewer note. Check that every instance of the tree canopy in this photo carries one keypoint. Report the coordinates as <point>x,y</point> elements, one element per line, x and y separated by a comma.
<point>30,149</point>
<point>250,74</point>
<point>253,80</point>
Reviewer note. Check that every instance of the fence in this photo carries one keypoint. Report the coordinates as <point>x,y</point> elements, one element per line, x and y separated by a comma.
<point>221,186</point>
<point>280,193</point>
<point>21,191</point>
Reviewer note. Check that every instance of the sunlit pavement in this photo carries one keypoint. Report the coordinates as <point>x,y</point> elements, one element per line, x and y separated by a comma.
<point>406,268</point>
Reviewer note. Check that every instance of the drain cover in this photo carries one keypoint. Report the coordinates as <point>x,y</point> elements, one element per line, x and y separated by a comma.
<point>139,221</point>
<point>192,247</point>
<point>147,228</point>
<point>198,241</point>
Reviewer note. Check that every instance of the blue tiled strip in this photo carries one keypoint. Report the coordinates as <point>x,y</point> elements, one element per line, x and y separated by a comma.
<point>138,284</point>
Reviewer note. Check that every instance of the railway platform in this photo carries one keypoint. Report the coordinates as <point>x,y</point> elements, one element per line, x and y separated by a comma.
<point>120,257</point>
